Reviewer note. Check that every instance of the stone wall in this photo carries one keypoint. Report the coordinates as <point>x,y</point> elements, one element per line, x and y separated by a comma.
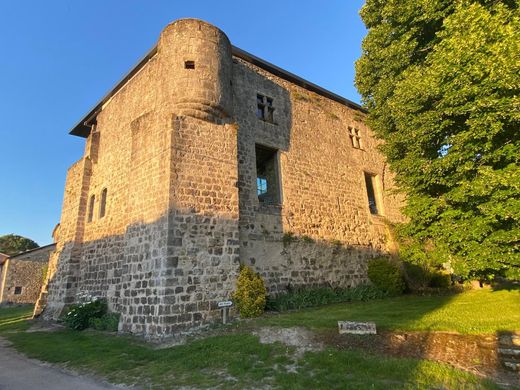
<point>324,207</point>
<point>174,152</point>
<point>23,275</point>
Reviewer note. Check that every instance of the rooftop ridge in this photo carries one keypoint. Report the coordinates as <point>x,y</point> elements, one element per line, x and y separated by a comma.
<point>82,128</point>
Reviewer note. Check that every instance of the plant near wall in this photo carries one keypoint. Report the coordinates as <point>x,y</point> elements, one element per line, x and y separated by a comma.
<point>108,322</point>
<point>299,298</point>
<point>386,275</point>
<point>79,316</point>
<point>250,294</point>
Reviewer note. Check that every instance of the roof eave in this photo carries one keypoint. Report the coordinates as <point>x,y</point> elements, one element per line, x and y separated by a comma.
<point>82,128</point>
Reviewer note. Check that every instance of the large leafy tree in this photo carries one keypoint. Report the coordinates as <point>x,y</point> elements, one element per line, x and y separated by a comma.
<point>441,80</point>
<point>11,244</point>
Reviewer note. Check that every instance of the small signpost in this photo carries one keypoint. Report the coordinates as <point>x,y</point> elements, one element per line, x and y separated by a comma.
<point>225,305</point>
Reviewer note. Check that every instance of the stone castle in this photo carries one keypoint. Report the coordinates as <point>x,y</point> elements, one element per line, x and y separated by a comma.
<point>204,157</point>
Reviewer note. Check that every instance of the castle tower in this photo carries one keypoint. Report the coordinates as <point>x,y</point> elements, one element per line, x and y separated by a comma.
<point>198,57</point>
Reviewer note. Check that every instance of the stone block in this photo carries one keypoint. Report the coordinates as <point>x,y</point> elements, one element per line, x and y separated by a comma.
<point>353,327</point>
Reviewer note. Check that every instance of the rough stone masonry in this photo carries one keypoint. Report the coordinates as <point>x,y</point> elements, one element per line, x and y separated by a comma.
<point>204,157</point>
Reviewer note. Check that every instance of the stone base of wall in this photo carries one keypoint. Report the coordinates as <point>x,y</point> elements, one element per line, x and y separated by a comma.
<point>309,264</point>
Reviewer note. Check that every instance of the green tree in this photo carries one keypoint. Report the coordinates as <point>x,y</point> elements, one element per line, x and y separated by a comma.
<point>11,244</point>
<point>441,80</point>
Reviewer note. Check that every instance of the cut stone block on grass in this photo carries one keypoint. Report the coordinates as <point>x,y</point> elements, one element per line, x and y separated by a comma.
<point>352,327</point>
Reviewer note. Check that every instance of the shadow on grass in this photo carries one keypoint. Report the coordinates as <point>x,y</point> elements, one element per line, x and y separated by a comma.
<point>15,317</point>
<point>459,329</point>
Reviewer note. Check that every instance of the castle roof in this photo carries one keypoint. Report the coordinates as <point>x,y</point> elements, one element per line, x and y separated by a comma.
<point>82,128</point>
<point>47,247</point>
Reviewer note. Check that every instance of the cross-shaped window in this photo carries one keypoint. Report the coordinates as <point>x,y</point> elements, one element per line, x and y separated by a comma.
<point>355,137</point>
<point>264,108</point>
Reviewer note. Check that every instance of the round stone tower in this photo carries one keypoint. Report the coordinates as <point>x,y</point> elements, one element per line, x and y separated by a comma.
<point>197,57</point>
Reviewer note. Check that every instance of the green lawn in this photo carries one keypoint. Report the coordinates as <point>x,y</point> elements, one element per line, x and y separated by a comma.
<point>473,312</point>
<point>15,318</point>
<point>238,360</point>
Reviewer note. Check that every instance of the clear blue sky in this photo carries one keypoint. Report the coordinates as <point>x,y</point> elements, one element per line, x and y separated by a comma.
<point>58,58</point>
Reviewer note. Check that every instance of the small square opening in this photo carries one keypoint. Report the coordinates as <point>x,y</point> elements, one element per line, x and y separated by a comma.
<point>17,290</point>
<point>189,64</point>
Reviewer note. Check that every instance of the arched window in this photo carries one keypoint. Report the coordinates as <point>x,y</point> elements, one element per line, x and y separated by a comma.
<point>91,208</point>
<point>103,204</point>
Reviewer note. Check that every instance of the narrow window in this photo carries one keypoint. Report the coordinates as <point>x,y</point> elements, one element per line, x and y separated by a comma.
<point>17,290</point>
<point>264,108</point>
<point>260,107</point>
<point>370,182</point>
<point>270,110</point>
<point>103,203</point>
<point>91,208</point>
<point>189,64</point>
<point>267,176</point>
<point>355,137</point>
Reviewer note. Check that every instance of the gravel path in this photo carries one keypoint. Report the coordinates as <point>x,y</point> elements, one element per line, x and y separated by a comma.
<point>17,372</point>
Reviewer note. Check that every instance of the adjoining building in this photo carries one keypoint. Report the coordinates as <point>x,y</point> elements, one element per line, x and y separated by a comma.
<point>203,157</point>
<point>22,275</point>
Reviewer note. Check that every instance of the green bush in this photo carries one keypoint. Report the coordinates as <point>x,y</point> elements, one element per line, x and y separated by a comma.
<point>440,279</point>
<point>421,277</point>
<point>418,276</point>
<point>108,322</point>
<point>309,297</point>
<point>249,297</point>
<point>386,275</point>
<point>78,316</point>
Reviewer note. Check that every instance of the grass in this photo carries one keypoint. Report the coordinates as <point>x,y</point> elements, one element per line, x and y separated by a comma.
<point>239,360</point>
<point>473,312</point>
<point>15,318</point>
<point>236,361</point>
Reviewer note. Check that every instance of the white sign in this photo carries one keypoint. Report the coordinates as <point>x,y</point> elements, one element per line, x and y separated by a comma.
<point>225,304</point>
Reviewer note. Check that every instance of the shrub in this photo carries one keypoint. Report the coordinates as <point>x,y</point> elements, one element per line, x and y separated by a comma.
<point>421,277</point>
<point>249,297</point>
<point>440,279</point>
<point>108,322</point>
<point>309,297</point>
<point>386,275</point>
<point>418,276</point>
<point>78,316</point>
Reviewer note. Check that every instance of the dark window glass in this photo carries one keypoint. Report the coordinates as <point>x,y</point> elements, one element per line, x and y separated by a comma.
<point>17,290</point>
<point>189,64</point>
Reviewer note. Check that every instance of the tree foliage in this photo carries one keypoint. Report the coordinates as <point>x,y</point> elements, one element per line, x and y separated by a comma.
<point>441,80</point>
<point>11,244</point>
